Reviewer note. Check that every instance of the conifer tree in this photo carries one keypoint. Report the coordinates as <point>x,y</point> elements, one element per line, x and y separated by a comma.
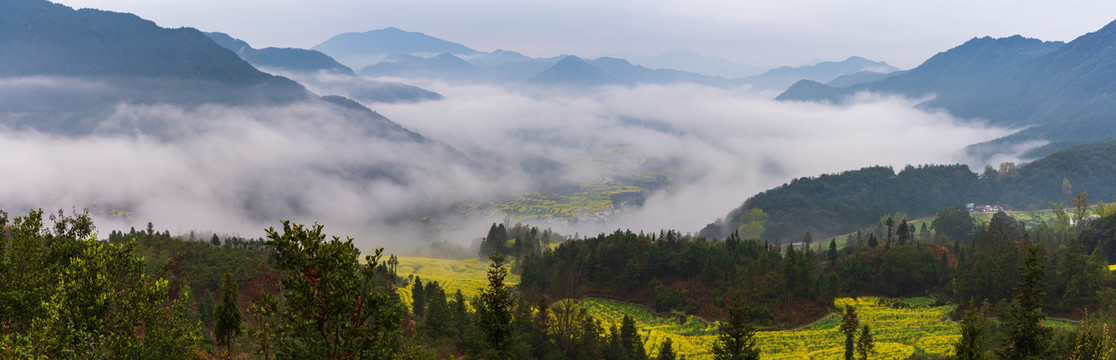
<point>736,339</point>
<point>226,315</point>
<point>849,324</point>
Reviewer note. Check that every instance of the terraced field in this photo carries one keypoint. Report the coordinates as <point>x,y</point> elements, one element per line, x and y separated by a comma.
<point>469,275</point>
<point>900,328</point>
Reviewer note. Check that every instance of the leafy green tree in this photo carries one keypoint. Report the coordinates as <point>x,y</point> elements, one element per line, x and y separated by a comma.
<point>334,309</point>
<point>227,322</point>
<point>864,345</point>
<point>849,324</point>
<point>752,223</point>
<point>1027,337</point>
<point>494,314</point>
<point>955,224</point>
<point>736,338</point>
<point>666,350</point>
<point>104,306</point>
<point>1080,206</point>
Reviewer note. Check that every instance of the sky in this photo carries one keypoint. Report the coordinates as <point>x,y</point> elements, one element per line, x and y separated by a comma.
<point>755,32</point>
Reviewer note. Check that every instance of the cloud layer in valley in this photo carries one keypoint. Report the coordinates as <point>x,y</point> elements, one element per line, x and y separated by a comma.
<point>732,143</point>
<point>240,169</point>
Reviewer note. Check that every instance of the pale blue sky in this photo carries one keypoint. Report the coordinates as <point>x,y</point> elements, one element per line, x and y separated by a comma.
<point>758,32</point>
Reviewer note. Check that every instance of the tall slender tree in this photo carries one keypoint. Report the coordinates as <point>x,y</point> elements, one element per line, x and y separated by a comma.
<point>1027,338</point>
<point>849,324</point>
<point>226,315</point>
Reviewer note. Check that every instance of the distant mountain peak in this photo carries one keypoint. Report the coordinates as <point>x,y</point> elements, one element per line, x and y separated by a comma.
<point>356,49</point>
<point>573,71</point>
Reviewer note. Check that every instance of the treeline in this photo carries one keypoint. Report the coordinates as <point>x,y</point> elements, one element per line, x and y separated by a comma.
<point>834,204</point>
<point>959,261</point>
<point>672,272</point>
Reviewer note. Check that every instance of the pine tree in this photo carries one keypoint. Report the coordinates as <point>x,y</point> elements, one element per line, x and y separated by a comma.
<point>904,232</point>
<point>418,297</point>
<point>496,305</point>
<point>1027,337</point>
<point>226,314</point>
<point>630,339</point>
<point>971,346</point>
<point>832,250</point>
<point>736,339</point>
<point>849,324</point>
<point>666,350</point>
<point>864,345</point>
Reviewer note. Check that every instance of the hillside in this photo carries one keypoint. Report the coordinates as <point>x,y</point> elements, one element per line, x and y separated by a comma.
<point>284,59</point>
<point>783,77</point>
<point>833,204</point>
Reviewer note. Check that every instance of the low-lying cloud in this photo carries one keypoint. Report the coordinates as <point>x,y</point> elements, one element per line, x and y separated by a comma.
<point>240,169</point>
<point>732,143</point>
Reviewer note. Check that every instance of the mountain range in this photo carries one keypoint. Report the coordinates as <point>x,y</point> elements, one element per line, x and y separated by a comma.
<point>392,52</point>
<point>306,65</point>
<point>68,69</point>
<point>1054,91</point>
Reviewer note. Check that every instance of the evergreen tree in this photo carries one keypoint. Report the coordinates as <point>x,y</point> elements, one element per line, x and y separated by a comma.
<point>904,232</point>
<point>872,242</point>
<point>494,315</point>
<point>864,345</point>
<point>1027,337</point>
<point>666,350</point>
<point>418,297</point>
<point>849,324</point>
<point>226,314</point>
<point>971,346</point>
<point>806,241</point>
<point>630,339</point>
<point>736,339</point>
<point>832,256</point>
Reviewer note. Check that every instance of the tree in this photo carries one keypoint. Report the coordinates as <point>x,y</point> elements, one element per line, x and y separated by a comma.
<point>666,350</point>
<point>334,308</point>
<point>227,321</point>
<point>890,228</point>
<point>418,300</point>
<point>832,256</point>
<point>1008,171</point>
<point>904,232</point>
<point>872,242</point>
<point>494,314</point>
<point>1080,206</point>
<point>1067,188</point>
<point>630,339</point>
<point>955,224</point>
<point>971,346</point>
<point>215,241</point>
<point>736,338</point>
<point>806,241</point>
<point>1027,337</point>
<point>849,324</point>
<point>752,223</point>
<point>864,345</point>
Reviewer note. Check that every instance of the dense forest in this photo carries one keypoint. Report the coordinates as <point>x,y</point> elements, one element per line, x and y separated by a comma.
<point>834,204</point>
<point>298,293</point>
